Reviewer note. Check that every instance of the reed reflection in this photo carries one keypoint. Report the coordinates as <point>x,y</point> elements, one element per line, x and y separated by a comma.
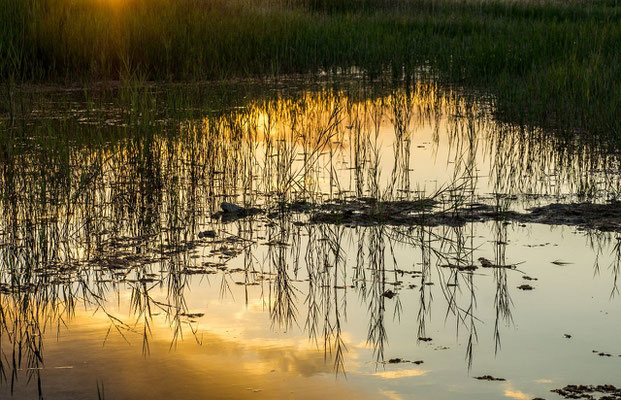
<point>93,213</point>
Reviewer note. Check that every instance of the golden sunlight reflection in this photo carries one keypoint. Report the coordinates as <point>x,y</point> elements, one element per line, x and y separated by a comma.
<point>408,141</point>
<point>212,363</point>
<point>121,265</point>
<point>516,394</point>
<point>401,373</point>
<point>391,395</point>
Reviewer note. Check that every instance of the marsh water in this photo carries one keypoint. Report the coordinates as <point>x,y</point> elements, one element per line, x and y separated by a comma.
<point>121,277</point>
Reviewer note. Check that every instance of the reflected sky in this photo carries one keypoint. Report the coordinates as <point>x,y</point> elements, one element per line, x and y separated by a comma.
<point>106,288</point>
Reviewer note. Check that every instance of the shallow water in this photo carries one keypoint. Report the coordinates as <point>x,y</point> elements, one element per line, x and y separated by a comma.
<point>109,291</point>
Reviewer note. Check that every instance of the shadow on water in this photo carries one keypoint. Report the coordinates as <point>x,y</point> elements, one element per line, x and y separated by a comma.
<point>112,195</point>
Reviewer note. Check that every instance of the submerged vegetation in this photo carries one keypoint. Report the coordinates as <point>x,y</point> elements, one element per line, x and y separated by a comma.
<point>549,64</point>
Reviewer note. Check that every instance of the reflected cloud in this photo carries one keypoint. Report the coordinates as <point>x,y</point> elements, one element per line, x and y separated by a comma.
<point>392,395</point>
<point>401,373</point>
<point>516,394</point>
<point>125,228</point>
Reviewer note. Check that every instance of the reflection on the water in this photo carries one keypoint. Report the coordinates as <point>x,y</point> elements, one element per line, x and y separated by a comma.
<point>108,238</point>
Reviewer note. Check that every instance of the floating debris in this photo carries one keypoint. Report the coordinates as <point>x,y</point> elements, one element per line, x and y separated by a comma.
<point>247,283</point>
<point>389,294</point>
<point>192,315</point>
<point>525,287</point>
<point>485,263</point>
<point>398,360</point>
<point>586,392</point>
<point>231,208</point>
<point>232,212</point>
<point>489,378</point>
<point>207,234</point>
<point>460,267</point>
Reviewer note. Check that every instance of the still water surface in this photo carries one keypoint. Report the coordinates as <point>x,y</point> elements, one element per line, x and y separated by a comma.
<point>120,279</point>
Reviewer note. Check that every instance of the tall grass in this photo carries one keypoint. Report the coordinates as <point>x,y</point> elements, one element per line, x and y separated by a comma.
<point>548,63</point>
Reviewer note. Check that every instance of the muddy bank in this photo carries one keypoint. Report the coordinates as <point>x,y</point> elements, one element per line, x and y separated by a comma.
<point>602,217</point>
<point>420,212</point>
<point>428,212</point>
<point>586,216</point>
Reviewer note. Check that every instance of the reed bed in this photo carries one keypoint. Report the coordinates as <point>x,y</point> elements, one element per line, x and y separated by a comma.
<point>550,64</point>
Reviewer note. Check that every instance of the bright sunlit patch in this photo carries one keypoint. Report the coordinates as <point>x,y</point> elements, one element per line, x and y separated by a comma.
<point>391,394</point>
<point>403,373</point>
<point>516,394</point>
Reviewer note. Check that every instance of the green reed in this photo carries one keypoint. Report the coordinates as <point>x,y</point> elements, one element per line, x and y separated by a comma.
<point>549,64</point>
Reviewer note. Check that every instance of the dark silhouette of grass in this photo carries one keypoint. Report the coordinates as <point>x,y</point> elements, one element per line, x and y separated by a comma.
<point>549,63</point>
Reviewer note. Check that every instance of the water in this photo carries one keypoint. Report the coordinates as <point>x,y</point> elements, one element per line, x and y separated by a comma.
<point>108,291</point>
